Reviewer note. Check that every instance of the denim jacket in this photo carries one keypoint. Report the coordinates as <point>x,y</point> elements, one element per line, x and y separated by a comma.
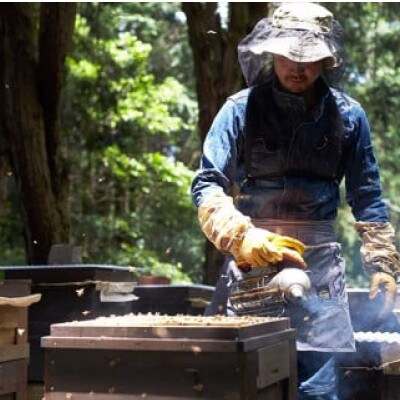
<point>288,170</point>
<point>291,195</point>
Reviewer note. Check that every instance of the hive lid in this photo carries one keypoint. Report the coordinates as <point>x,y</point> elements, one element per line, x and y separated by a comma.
<point>68,273</point>
<point>172,327</point>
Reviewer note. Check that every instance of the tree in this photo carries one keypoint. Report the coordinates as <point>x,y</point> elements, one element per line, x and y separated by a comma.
<point>214,45</point>
<point>31,76</point>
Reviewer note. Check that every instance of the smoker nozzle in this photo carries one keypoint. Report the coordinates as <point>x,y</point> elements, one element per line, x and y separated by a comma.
<point>295,292</point>
<point>293,282</point>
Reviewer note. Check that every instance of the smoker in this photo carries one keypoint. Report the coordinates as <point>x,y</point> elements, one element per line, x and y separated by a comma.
<point>171,357</point>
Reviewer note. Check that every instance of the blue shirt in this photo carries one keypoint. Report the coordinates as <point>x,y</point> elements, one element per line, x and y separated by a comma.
<point>291,196</point>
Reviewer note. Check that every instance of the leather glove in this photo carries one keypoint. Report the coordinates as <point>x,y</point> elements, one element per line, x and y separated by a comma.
<point>260,248</point>
<point>232,232</point>
<point>386,283</point>
<point>378,251</point>
<point>380,260</point>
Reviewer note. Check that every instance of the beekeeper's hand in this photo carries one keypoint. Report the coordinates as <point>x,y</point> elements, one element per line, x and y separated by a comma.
<point>386,284</point>
<point>381,261</point>
<point>232,232</point>
<point>260,248</point>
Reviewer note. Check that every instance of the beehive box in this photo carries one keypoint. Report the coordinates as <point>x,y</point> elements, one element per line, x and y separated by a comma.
<point>67,292</point>
<point>160,357</point>
<point>15,299</point>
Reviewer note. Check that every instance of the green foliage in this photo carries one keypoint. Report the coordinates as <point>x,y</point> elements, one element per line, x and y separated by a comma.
<point>130,198</point>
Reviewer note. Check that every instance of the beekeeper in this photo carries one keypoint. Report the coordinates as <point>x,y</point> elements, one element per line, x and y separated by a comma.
<point>286,142</point>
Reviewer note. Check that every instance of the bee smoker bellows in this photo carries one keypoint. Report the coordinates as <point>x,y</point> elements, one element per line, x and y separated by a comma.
<point>265,291</point>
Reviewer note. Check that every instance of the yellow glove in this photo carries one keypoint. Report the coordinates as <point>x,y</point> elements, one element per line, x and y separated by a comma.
<point>257,249</point>
<point>386,283</point>
<point>230,231</point>
<point>261,247</point>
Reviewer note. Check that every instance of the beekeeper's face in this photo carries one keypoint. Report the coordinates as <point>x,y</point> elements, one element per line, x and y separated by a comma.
<point>296,77</point>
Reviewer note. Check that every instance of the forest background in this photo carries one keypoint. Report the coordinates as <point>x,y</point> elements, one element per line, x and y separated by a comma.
<point>103,110</point>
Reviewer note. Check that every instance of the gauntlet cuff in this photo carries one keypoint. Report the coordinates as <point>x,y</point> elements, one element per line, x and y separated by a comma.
<point>222,223</point>
<point>378,251</point>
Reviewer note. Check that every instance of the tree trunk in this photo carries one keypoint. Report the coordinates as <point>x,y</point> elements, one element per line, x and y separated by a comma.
<point>57,22</point>
<point>29,117</point>
<point>217,72</point>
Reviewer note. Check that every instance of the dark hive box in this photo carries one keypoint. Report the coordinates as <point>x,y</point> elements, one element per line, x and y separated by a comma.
<point>171,357</point>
